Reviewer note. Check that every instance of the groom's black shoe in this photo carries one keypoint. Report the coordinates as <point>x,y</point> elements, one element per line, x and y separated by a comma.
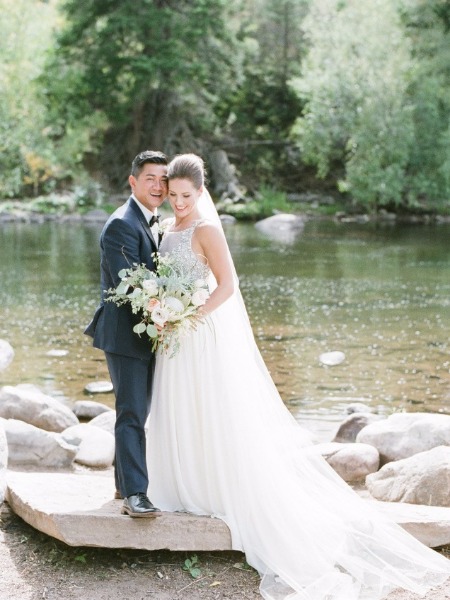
<point>138,505</point>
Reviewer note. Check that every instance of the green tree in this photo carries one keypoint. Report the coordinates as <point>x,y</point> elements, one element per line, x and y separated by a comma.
<point>427,25</point>
<point>147,72</point>
<point>259,111</point>
<point>27,163</point>
<point>357,125</point>
<point>377,108</point>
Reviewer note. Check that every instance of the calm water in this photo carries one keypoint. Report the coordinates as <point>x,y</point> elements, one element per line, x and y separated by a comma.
<point>380,294</point>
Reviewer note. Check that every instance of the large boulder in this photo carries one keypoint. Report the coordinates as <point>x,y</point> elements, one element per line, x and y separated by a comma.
<point>6,354</point>
<point>421,479</point>
<point>27,403</point>
<point>351,461</point>
<point>283,227</point>
<point>353,424</point>
<point>404,434</point>
<point>3,462</point>
<point>224,177</point>
<point>28,445</point>
<point>105,421</point>
<point>89,409</point>
<point>96,448</point>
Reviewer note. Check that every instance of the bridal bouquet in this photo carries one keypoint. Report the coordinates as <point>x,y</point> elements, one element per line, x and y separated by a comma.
<point>168,298</point>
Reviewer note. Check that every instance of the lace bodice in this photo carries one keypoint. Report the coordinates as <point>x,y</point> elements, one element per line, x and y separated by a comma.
<point>179,245</point>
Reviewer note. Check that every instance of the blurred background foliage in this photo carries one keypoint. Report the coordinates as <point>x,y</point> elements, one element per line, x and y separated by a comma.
<point>337,97</point>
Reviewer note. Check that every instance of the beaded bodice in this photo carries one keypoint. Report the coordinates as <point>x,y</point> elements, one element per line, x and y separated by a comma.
<point>179,245</point>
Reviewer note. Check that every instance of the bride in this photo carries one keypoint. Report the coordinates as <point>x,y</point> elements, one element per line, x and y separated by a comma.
<point>222,443</point>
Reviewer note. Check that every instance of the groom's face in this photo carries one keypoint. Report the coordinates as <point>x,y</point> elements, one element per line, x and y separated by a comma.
<point>150,186</point>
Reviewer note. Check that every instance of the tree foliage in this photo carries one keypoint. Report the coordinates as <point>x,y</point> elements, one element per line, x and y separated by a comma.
<point>150,70</point>
<point>370,112</point>
<point>27,161</point>
<point>354,93</point>
<point>354,82</point>
<point>427,27</point>
<point>259,111</point>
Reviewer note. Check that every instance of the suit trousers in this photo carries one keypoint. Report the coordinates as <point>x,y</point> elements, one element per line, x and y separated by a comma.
<point>132,380</point>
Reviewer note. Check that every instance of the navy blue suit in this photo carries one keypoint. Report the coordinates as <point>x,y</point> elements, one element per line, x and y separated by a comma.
<point>126,239</point>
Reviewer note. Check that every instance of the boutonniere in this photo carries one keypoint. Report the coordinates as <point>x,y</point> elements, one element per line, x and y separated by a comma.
<point>163,226</point>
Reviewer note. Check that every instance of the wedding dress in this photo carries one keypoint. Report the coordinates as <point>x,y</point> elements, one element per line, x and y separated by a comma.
<point>222,443</point>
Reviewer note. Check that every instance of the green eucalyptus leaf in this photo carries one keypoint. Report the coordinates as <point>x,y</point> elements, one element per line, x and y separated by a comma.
<point>152,331</point>
<point>139,328</point>
<point>122,288</point>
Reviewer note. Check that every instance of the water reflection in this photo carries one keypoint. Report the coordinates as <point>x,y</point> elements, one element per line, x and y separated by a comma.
<point>379,294</point>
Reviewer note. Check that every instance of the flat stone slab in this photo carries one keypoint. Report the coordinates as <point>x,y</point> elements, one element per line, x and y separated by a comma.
<point>78,509</point>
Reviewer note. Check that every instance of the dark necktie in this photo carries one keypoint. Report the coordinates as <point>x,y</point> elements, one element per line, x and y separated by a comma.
<point>153,220</point>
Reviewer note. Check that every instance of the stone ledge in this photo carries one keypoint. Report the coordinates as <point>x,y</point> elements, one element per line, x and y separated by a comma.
<point>78,509</point>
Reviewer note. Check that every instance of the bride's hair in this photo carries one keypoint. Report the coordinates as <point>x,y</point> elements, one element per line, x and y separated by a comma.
<point>187,166</point>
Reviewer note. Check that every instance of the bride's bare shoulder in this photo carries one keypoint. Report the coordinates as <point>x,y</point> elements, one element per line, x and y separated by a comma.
<point>207,228</point>
<point>208,225</point>
<point>209,235</point>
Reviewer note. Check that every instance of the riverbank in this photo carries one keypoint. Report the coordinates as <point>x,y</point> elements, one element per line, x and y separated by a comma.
<point>64,208</point>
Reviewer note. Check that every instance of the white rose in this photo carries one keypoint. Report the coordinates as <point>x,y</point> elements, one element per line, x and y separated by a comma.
<point>160,316</point>
<point>199,283</point>
<point>200,297</point>
<point>150,286</point>
<point>173,304</point>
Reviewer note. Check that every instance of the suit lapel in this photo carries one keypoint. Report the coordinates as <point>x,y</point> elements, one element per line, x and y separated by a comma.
<point>140,216</point>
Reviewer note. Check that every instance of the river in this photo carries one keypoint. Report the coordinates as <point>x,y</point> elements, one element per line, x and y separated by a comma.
<point>379,293</point>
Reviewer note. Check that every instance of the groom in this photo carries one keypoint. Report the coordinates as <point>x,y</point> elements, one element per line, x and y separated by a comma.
<point>130,236</point>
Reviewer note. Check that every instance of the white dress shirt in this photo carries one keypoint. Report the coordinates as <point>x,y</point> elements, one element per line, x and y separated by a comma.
<point>148,214</point>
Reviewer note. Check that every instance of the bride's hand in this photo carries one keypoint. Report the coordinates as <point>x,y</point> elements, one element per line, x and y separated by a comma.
<point>200,315</point>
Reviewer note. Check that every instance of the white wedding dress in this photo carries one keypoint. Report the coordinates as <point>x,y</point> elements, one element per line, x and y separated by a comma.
<point>222,443</point>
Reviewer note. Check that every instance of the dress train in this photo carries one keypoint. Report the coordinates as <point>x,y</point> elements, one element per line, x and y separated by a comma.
<point>222,443</point>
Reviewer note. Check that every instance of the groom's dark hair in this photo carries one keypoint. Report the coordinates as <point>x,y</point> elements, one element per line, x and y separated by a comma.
<point>147,156</point>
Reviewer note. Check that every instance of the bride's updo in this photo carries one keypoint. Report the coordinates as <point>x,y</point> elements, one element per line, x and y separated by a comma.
<point>187,166</point>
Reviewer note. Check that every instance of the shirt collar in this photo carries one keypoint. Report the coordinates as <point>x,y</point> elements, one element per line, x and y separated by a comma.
<point>148,214</point>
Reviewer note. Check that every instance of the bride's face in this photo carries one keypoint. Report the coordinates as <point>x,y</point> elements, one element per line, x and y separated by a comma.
<point>183,196</point>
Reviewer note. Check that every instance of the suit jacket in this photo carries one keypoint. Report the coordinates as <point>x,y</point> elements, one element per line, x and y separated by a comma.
<point>126,239</point>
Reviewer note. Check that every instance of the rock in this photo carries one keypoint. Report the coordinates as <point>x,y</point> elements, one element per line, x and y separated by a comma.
<point>56,352</point>
<point>228,219</point>
<point>282,227</point>
<point>88,409</point>
<point>27,403</point>
<point>97,446</point>
<point>421,479</point>
<point>3,462</point>
<point>357,407</point>
<point>386,216</point>
<point>31,446</point>
<point>6,354</point>
<point>349,429</point>
<point>99,387</point>
<point>78,509</point>
<point>226,183</point>
<point>331,359</point>
<point>404,434</point>
<point>105,421</point>
<point>351,461</point>
<point>96,215</point>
